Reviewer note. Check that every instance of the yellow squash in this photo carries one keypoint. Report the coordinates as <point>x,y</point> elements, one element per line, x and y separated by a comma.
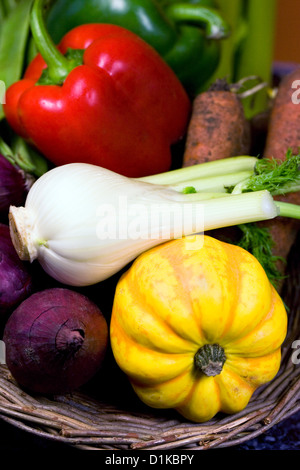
<point>197,326</point>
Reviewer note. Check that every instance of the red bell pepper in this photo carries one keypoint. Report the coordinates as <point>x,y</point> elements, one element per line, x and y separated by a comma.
<point>103,96</point>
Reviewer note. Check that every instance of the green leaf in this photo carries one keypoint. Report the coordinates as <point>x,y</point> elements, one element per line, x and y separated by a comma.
<point>276,177</point>
<point>13,40</point>
<point>259,242</point>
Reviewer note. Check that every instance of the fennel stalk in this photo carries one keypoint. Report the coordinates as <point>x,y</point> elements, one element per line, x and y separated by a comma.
<point>277,178</point>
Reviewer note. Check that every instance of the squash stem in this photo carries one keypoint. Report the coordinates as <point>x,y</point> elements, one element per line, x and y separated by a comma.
<point>210,359</point>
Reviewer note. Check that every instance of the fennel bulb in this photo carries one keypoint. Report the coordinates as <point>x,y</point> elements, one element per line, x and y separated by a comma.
<point>84,223</point>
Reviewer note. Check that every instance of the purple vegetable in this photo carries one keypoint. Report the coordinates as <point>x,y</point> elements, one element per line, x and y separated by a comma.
<point>13,185</point>
<point>15,279</point>
<point>55,341</point>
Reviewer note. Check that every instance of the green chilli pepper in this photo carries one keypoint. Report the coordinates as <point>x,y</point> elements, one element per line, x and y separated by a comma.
<point>185,33</point>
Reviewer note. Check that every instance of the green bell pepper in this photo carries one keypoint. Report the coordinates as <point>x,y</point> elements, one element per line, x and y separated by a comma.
<point>185,33</point>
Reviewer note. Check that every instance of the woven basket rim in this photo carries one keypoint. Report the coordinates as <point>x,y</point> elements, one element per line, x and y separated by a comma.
<point>84,422</point>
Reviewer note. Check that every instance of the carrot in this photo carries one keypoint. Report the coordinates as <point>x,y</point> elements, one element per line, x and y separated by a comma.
<point>284,133</point>
<point>218,127</point>
<point>284,123</point>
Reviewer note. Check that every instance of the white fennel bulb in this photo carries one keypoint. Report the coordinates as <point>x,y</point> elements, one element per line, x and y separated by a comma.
<point>84,223</point>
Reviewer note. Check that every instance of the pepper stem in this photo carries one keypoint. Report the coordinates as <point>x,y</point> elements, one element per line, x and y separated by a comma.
<point>59,66</point>
<point>210,359</point>
<point>216,27</point>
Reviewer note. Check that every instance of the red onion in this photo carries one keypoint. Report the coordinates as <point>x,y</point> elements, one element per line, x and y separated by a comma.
<point>13,185</point>
<point>55,341</point>
<point>15,279</point>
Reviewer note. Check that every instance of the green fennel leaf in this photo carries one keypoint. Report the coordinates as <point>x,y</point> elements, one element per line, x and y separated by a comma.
<point>276,177</point>
<point>258,241</point>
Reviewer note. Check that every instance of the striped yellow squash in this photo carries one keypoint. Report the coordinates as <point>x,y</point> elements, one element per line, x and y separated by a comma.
<point>197,326</point>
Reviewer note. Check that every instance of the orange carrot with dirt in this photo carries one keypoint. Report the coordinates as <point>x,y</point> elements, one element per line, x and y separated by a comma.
<point>218,127</point>
<point>283,134</point>
<point>284,123</point>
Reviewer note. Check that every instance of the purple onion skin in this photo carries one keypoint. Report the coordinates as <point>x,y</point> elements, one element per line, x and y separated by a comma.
<point>55,341</point>
<point>16,281</point>
<point>12,186</point>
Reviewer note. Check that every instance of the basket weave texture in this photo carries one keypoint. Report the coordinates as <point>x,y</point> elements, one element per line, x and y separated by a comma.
<point>85,422</point>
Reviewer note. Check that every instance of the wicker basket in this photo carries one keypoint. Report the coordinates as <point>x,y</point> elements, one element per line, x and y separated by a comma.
<point>83,421</point>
